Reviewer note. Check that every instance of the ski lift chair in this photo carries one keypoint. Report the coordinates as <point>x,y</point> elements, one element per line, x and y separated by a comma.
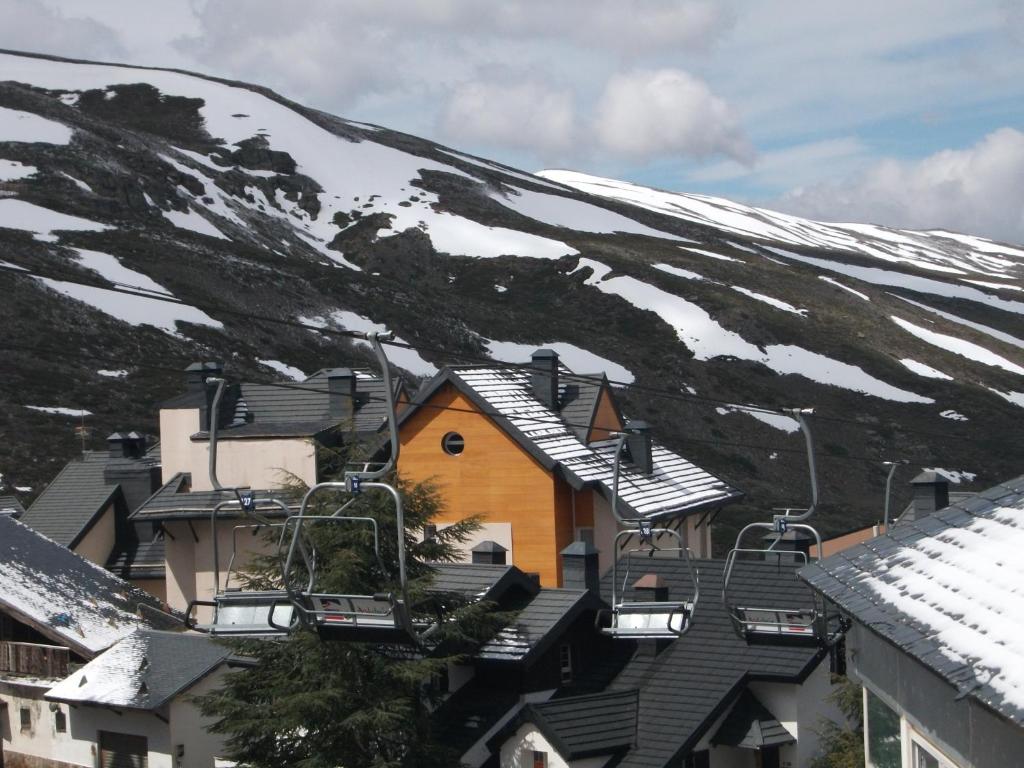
<point>754,621</point>
<point>382,617</point>
<point>645,619</point>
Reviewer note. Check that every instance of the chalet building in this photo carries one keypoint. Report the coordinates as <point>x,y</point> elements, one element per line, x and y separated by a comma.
<point>57,610</point>
<point>268,437</point>
<point>130,705</point>
<point>528,450</point>
<point>710,698</point>
<point>86,509</point>
<point>938,631</point>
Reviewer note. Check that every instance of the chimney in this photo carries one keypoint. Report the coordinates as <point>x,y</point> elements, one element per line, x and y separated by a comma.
<point>544,377</point>
<point>931,493</point>
<point>341,398</point>
<point>197,374</point>
<point>651,587</point>
<point>489,553</point>
<point>580,569</point>
<point>638,443</point>
<point>126,445</point>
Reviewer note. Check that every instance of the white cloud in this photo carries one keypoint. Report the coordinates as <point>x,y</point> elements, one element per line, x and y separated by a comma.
<point>522,115</point>
<point>649,113</point>
<point>976,190</point>
<point>798,164</point>
<point>32,25</point>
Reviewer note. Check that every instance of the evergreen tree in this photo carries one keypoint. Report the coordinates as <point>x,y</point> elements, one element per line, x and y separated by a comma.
<point>318,704</point>
<point>842,745</point>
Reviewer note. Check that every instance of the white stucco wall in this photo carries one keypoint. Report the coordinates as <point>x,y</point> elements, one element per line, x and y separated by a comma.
<point>517,751</point>
<point>98,543</point>
<point>188,727</point>
<point>256,463</point>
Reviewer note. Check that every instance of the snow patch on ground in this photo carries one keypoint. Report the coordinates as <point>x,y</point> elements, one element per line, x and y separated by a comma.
<point>288,371</point>
<point>678,271</point>
<point>925,370</point>
<point>1017,398</point>
<point>406,358</point>
<point>777,303</point>
<point>42,222</point>
<point>599,270</point>
<point>59,410</point>
<point>500,288</point>
<point>961,347</point>
<point>711,254</point>
<point>953,415</point>
<point>29,128</point>
<point>117,374</point>
<point>988,331</point>
<point>77,182</point>
<point>194,222</point>
<point>12,170</point>
<point>837,284</point>
<point>575,358</point>
<point>777,420</point>
<point>707,339</point>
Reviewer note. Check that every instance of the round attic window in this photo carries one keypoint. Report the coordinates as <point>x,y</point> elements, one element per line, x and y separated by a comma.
<point>453,444</point>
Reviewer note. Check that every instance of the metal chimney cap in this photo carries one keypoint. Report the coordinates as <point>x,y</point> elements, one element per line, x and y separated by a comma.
<point>488,546</point>
<point>580,549</point>
<point>338,373</point>
<point>543,353</point>
<point>931,477</point>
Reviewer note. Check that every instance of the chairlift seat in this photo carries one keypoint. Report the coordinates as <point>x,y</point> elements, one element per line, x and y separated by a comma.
<point>769,623</point>
<point>656,620</point>
<point>362,618</point>
<point>249,614</point>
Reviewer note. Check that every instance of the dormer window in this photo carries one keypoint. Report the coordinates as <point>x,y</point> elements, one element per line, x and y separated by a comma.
<point>453,444</point>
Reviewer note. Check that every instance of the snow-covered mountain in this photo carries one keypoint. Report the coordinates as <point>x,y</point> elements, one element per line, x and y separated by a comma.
<point>234,200</point>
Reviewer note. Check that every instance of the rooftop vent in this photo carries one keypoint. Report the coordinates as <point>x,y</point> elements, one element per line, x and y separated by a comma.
<point>638,445</point>
<point>129,445</point>
<point>931,493</point>
<point>580,567</point>
<point>489,553</point>
<point>197,374</point>
<point>341,398</point>
<point>544,377</point>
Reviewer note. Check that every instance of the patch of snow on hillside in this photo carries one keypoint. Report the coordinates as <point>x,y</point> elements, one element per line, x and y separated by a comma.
<point>500,288</point>
<point>136,310</point>
<point>116,374</point>
<point>405,358</point>
<point>953,415</point>
<point>711,254</point>
<point>1017,398</point>
<point>678,271</point>
<point>575,358</point>
<point>777,420</point>
<point>707,340</point>
<point>957,346</point>
<point>598,271</point>
<point>289,371</point>
<point>997,286</point>
<point>847,288</point>
<point>28,128</point>
<point>995,333</point>
<point>495,168</point>
<point>56,410</point>
<point>925,370</point>
<point>979,243</point>
<point>878,276</point>
<point>566,212</point>
<point>77,182</point>
<point>12,170</point>
<point>42,222</point>
<point>192,221</point>
<point>777,303</point>
<point>457,236</point>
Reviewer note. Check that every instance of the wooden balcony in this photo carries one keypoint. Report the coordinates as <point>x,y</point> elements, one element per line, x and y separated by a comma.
<point>50,662</point>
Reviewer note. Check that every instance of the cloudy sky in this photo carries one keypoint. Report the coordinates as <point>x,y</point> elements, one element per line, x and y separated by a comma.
<point>905,112</point>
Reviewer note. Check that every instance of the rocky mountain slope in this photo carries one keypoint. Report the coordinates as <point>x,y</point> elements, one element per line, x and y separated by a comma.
<point>236,201</point>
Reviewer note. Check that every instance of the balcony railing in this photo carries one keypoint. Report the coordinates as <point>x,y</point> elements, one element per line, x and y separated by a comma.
<point>50,662</point>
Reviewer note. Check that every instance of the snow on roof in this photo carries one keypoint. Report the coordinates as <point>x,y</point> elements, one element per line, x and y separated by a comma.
<point>143,671</point>
<point>68,598</point>
<point>675,484</point>
<point>948,589</point>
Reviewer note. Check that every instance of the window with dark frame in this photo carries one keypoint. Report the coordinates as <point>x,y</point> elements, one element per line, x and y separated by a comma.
<point>26,718</point>
<point>453,444</point>
<point>60,721</point>
<point>565,662</point>
<point>540,759</point>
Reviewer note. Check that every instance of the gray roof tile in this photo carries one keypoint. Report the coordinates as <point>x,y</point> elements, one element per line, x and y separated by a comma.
<point>70,503</point>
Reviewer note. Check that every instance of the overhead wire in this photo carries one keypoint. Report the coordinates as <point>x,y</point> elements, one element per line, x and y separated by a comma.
<point>141,292</point>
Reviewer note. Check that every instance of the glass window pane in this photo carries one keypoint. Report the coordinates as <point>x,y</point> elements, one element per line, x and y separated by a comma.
<point>923,758</point>
<point>883,734</point>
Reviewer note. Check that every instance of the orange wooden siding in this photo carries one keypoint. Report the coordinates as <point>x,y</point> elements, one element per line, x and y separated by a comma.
<point>606,417</point>
<point>493,477</point>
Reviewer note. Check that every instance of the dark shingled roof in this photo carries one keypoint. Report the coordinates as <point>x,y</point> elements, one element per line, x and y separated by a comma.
<point>175,502</point>
<point>144,671</point>
<point>10,505</point>
<point>688,684</point>
<point>480,581</point>
<point>749,725</point>
<point>69,599</point>
<point>582,726</point>
<point>945,590</point>
<point>138,558</point>
<point>538,624</point>
<point>71,502</point>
